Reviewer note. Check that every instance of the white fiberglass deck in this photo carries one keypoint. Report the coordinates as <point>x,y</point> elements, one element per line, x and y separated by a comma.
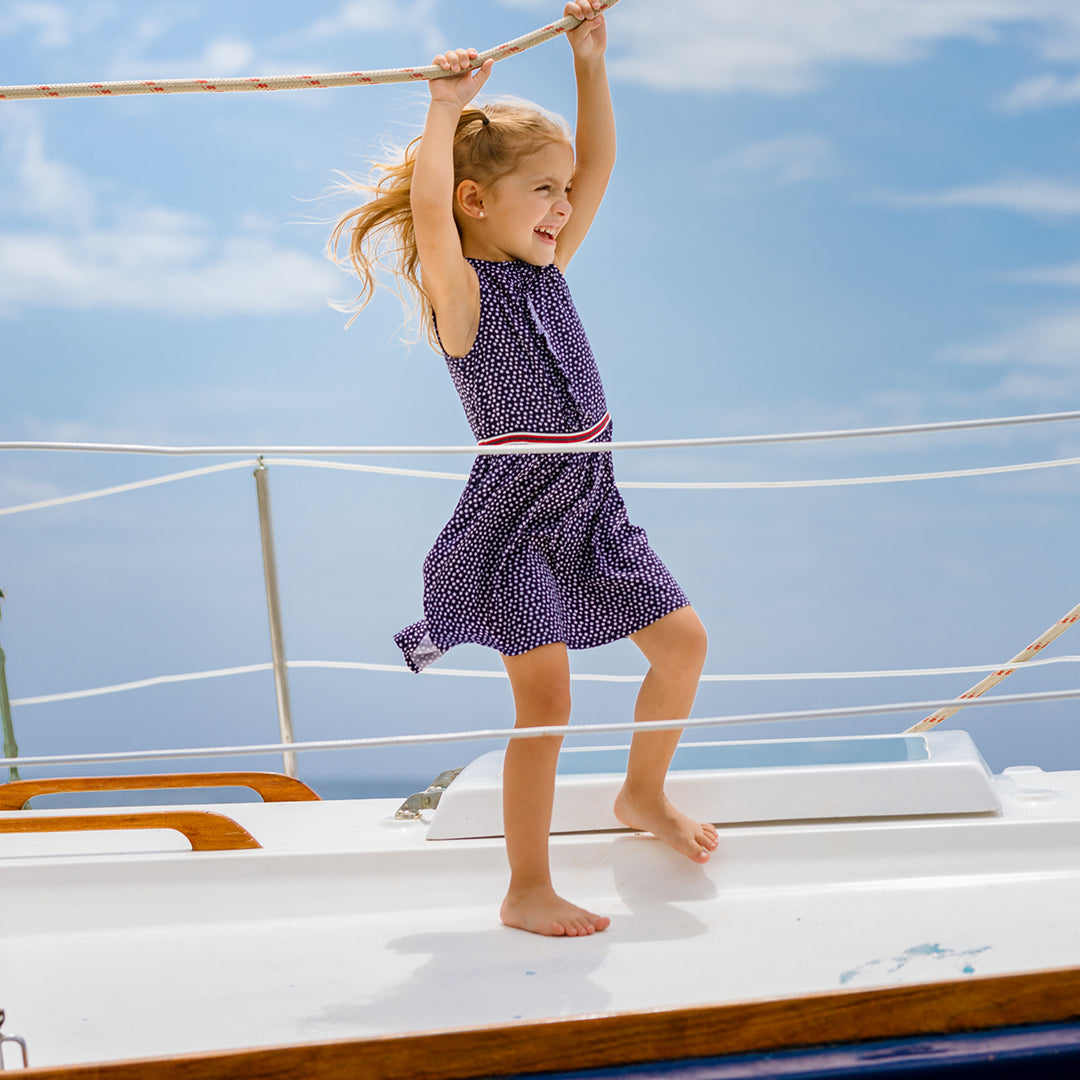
<point>349,923</point>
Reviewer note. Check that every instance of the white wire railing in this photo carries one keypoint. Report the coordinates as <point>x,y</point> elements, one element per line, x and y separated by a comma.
<point>578,448</point>
<point>653,485</point>
<point>430,738</point>
<point>261,457</point>
<point>473,673</point>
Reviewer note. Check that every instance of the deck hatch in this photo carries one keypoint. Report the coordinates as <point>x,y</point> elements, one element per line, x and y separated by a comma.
<point>747,781</point>
<point>777,753</point>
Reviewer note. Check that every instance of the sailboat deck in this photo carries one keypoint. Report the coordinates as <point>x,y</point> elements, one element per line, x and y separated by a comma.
<point>349,924</point>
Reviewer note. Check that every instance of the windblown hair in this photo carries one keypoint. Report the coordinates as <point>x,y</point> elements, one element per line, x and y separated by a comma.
<point>380,232</point>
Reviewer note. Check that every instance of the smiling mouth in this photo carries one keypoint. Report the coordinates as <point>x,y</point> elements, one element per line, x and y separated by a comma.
<point>546,234</point>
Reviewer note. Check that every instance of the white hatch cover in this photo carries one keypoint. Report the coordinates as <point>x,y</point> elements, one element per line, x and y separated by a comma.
<point>768,780</point>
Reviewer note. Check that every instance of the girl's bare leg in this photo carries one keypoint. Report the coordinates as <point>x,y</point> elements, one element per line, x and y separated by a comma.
<point>675,648</point>
<point>541,683</point>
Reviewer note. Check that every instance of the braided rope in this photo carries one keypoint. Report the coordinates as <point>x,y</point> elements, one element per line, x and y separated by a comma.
<point>289,82</point>
<point>1023,657</point>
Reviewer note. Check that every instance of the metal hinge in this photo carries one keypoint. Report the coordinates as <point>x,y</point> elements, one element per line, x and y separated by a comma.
<point>410,809</point>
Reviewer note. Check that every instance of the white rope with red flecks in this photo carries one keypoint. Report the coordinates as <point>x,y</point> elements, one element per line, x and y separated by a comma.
<point>289,82</point>
<point>980,688</point>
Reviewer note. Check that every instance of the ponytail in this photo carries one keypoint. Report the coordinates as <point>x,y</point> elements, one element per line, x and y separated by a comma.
<point>488,144</point>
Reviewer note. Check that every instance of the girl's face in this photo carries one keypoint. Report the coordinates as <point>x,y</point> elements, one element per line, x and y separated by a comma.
<point>520,215</point>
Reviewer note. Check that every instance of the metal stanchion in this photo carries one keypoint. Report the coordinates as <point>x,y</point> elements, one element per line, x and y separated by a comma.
<point>273,611</point>
<point>11,747</point>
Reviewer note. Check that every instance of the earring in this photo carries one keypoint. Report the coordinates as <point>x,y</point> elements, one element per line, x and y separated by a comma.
<point>481,213</point>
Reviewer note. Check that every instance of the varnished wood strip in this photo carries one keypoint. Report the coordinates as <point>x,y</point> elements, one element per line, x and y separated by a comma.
<point>973,1004</point>
<point>206,831</point>
<point>272,787</point>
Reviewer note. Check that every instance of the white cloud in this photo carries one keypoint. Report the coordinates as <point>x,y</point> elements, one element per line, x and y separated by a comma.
<point>158,269</point>
<point>1068,274</point>
<point>56,26</point>
<point>78,248</point>
<point>789,159</point>
<point>1045,348</point>
<point>354,16</point>
<point>32,184</point>
<point>16,490</point>
<point>786,46</point>
<point>364,16</point>
<point>1038,362</point>
<point>220,57</point>
<point>51,26</point>
<point>1037,196</point>
<point>226,55</point>
<point>1039,357</point>
<point>1042,92</point>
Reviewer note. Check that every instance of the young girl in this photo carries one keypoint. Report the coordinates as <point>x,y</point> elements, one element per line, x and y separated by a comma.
<point>484,214</point>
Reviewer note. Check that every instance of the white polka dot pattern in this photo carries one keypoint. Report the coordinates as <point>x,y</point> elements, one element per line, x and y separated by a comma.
<point>539,549</point>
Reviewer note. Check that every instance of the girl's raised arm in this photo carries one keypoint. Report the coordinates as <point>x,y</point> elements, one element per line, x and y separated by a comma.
<point>594,143</point>
<point>448,280</point>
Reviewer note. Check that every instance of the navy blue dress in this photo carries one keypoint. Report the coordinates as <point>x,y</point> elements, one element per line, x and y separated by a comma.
<point>539,549</point>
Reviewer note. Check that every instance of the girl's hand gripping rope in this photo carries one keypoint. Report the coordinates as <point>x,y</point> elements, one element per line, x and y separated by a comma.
<point>462,90</point>
<point>588,39</point>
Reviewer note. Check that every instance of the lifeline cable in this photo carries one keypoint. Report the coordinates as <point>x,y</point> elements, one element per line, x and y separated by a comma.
<point>289,82</point>
<point>118,489</point>
<point>474,673</point>
<point>980,688</point>
<point>652,485</point>
<point>560,730</point>
<point>573,448</point>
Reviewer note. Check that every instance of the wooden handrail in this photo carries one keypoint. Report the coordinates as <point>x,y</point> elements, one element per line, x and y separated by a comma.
<point>205,830</point>
<point>272,787</point>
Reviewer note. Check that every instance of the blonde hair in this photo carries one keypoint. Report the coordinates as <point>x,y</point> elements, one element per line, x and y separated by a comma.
<point>488,144</point>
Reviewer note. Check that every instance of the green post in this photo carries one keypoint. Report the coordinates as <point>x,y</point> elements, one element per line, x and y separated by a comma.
<point>11,747</point>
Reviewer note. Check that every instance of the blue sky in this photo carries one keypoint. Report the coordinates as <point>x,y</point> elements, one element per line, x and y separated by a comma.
<point>849,213</point>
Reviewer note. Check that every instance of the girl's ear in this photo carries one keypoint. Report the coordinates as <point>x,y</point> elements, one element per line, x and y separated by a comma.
<point>470,199</point>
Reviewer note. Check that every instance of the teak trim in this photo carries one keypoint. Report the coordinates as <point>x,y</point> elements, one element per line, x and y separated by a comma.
<point>614,1039</point>
<point>205,830</point>
<point>272,787</point>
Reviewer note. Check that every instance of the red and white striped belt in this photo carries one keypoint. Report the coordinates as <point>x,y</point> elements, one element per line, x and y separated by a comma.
<point>551,437</point>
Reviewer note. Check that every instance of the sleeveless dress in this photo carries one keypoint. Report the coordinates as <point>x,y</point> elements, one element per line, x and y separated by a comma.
<point>539,549</point>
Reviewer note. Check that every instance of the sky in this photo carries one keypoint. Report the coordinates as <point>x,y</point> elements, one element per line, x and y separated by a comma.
<point>825,215</point>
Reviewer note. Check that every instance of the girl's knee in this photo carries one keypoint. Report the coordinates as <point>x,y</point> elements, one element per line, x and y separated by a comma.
<point>676,642</point>
<point>551,702</point>
<point>685,634</point>
<point>693,645</point>
<point>694,638</point>
<point>540,680</point>
<point>541,704</point>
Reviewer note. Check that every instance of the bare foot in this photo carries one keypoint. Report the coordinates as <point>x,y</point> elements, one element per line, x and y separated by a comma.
<point>693,839</point>
<point>543,911</point>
